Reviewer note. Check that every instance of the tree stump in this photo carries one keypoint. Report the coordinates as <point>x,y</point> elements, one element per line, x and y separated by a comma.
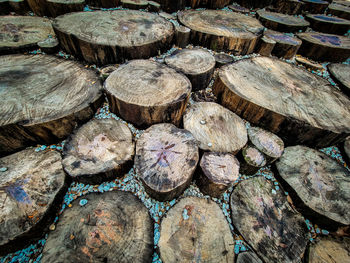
<point>166,158</point>
<point>31,189</point>
<point>43,98</point>
<point>281,22</point>
<point>339,11</point>
<point>99,151</point>
<point>328,24</point>
<point>134,4</point>
<point>195,230</point>
<point>171,6</point>
<point>324,47</point>
<point>110,227</point>
<point>49,45</point>
<point>317,183</point>
<point>239,9</point>
<point>197,64</point>
<point>222,31</point>
<point>315,6</point>
<point>60,7</point>
<point>22,33</point>
<point>341,75</point>
<point>218,171</point>
<point>267,222</point>
<point>182,36</point>
<point>215,128</point>
<point>265,46</point>
<point>106,37</point>
<point>248,257</point>
<point>144,92</point>
<point>251,160</point>
<point>222,59</point>
<point>289,7</point>
<point>103,3</point>
<point>298,106</point>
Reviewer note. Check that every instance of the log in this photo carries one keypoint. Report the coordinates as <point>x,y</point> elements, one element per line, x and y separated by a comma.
<point>265,46</point>
<point>153,6</point>
<point>324,47</point>
<point>99,151</point>
<point>248,257</point>
<point>296,105</point>
<point>171,6</point>
<point>38,7</point>
<point>103,3</point>
<point>222,59</point>
<point>20,7</point>
<point>289,7</point>
<point>317,184</point>
<point>275,231</point>
<point>251,160</point>
<point>22,33</point>
<point>222,31</point>
<point>114,36</point>
<point>49,45</point>
<point>144,92</point>
<point>113,227</point>
<point>239,9</point>
<point>281,22</point>
<point>182,36</point>
<point>134,4</point>
<point>307,63</point>
<point>328,24</point>
<point>165,160</point>
<point>43,98</point>
<point>215,128</point>
<point>218,171</point>
<point>106,71</point>
<point>60,7</point>
<point>339,11</point>
<point>342,2</point>
<point>254,3</point>
<point>315,6</point>
<point>213,4</point>
<point>340,73</point>
<point>197,64</point>
<point>31,189</point>
<point>195,230</point>
<point>346,150</point>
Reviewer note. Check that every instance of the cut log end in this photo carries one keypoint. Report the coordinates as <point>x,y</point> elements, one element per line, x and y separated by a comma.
<point>251,160</point>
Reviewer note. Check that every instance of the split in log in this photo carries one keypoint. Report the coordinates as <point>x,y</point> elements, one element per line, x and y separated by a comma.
<point>222,30</point>
<point>99,151</point>
<point>265,46</point>
<point>166,158</point>
<point>222,59</point>
<point>20,7</point>
<point>113,227</point>
<point>315,6</point>
<point>197,64</point>
<point>307,63</point>
<point>31,189</point>
<point>49,45</point>
<point>43,98</point>
<point>251,160</point>
<point>298,106</point>
<point>317,184</point>
<point>341,75</point>
<point>103,3</point>
<point>182,36</point>
<point>134,4</point>
<point>213,4</point>
<point>61,7</point>
<point>328,24</point>
<point>103,37</point>
<point>22,33</point>
<point>339,11</point>
<point>153,6</point>
<point>239,9</point>
<point>271,227</point>
<point>218,171</point>
<point>144,92</point>
<point>106,71</point>
<point>324,47</point>
<point>195,230</point>
<point>254,3</point>
<point>289,7</point>
<point>215,128</point>
<point>171,6</point>
<point>248,257</point>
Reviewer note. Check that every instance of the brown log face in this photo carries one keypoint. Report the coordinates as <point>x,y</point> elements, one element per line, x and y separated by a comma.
<point>222,59</point>
<point>290,7</point>
<point>315,6</point>
<point>341,75</point>
<point>286,46</point>
<point>328,24</point>
<point>61,7</point>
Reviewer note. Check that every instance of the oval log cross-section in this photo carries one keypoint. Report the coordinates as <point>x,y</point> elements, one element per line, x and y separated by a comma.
<point>251,160</point>
<point>341,75</point>
<point>328,24</point>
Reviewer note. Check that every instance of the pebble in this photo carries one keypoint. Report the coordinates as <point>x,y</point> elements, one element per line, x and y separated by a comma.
<point>202,122</point>
<point>210,144</point>
<point>52,227</point>
<point>3,169</point>
<point>83,202</point>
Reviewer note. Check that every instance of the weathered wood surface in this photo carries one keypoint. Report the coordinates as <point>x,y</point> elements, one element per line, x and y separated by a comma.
<point>251,160</point>
<point>213,4</point>
<point>103,3</point>
<point>289,7</point>
<point>339,11</point>
<point>21,33</point>
<point>49,45</point>
<point>99,151</point>
<point>239,9</point>
<point>165,159</point>
<point>43,98</point>
<point>31,190</point>
<point>222,59</point>
<point>284,99</point>
<point>218,171</point>
<point>315,6</point>
<point>222,30</point>
<point>264,218</point>
<point>265,46</point>
<point>328,24</point>
<point>105,37</point>
<point>61,7</point>
<point>309,64</point>
<point>341,75</point>
<point>110,227</point>
<point>182,36</point>
<point>144,92</point>
<point>318,185</point>
<point>195,230</point>
<point>197,64</point>
<point>216,128</point>
<point>324,47</point>
<point>248,257</point>
<point>134,4</point>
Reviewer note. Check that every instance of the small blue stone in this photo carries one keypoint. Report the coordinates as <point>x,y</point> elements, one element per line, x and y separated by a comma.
<point>83,202</point>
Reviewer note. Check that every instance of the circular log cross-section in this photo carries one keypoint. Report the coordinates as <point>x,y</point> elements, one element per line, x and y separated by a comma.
<point>110,227</point>
<point>222,59</point>
<point>215,128</point>
<point>144,92</point>
<point>315,6</point>
<point>32,186</point>
<point>298,106</point>
<point>286,46</point>
<point>195,230</point>
<point>339,11</point>
<point>106,37</point>
<point>43,98</point>
<point>328,24</point>
<point>165,159</point>
<point>341,75</point>
<point>222,30</point>
<point>197,64</point>
<point>329,250</point>
<point>251,160</point>
<point>99,151</point>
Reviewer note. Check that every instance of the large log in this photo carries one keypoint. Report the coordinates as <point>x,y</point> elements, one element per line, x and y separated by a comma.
<point>32,186</point>
<point>61,7</point>
<point>341,75</point>
<point>290,7</point>
<point>106,37</point>
<point>144,92</point>
<point>298,106</point>
<point>286,46</point>
<point>43,98</point>
<point>113,227</point>
<point>315,6</point>
<point>222,30</point>
<point>339,11</point>
<point>328,24</point>
<point>195,230</point>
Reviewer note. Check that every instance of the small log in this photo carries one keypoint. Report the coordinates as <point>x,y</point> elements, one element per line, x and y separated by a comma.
<point>265,46</point>
<point>328,24</point>
<point>251,160</point>
<point>324,47</point>
<point>20,7</point>
<point>182,36</point>
<point>307,63</point>
<point>58,7</point>
<point>195,230</point>
<point>339,11</point>
<point>289,7</point>
<point>144,92</point>
<point>171,6</point>
<point>153,6</point>
<point>222,59</point>
<point>315,6</point>
<point>32,188</point>
<point>239,9</point>
<point>218,171</point>
<point>215,128</point>
<point>113,227</point>
<point>197,64</point>
<point>248,257</point>
<point>166,158</point>
<point>340,73</point>
<point>49,45</point>
<point>103,3</point>
<point>275,231</point>
<point>106,71</point>
<point>134,4</point>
